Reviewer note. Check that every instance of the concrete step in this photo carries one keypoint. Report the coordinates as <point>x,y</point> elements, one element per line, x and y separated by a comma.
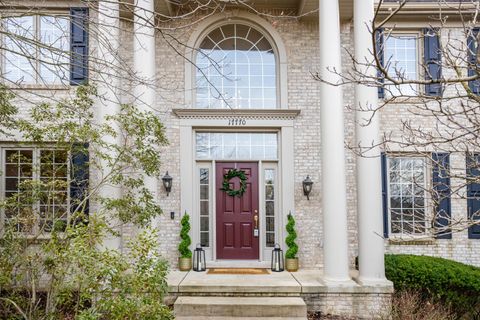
<point>217,308</point>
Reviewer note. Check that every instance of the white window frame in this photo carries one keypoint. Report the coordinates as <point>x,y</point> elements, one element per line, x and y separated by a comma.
<point>427,200</point>
<point>266,165</point>
<point>266,35</point>
<point>37,33</point>
<point>35,176</point>
<point>419,74</point>
<point>264,251</point>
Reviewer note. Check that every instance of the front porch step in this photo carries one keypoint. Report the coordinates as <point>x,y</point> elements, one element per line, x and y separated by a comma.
<point>236,308</point>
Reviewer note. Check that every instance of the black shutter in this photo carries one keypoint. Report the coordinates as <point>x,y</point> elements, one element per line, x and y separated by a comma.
<point>441,194</point>
<point>78,45</point>
<point>472,60</point>
<point>432,61</point>
<point>79,177</point>
<point>379,39</point>
<point>384,195</point>
<point>473,194</point>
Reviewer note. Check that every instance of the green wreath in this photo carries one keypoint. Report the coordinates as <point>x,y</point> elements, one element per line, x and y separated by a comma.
<point>232,173</point>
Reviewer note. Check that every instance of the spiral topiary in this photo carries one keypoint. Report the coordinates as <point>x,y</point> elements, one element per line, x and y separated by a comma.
<point>290,240</point>
<point>184,246</point>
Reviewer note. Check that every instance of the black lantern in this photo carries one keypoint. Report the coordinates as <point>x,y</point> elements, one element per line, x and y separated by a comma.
<point>307,186</point>
<point>199,264</point>
<point>167,182</point>
<point>277,259</point>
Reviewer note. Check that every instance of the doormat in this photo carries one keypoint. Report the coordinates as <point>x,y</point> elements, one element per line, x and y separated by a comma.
<point>237,271</point>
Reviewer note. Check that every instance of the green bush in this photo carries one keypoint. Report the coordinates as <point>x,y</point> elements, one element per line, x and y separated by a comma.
<point>184,246</point>
<point>290,240</point>
<point>453,283</point>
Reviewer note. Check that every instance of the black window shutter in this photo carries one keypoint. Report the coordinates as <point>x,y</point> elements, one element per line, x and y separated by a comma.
<point>441,194</point>
<point>473,194</point>
<point>472,60</point>
<point>78,45</point>
<point>379,39</point>
<point>79,178</point>
<point>384,194</point>
<point>432,61</point>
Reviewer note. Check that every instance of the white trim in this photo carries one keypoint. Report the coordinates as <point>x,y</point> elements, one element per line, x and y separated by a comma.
<point>36,15</point>
<point>285,169</point>
<point>426,185</point>
<point>253,20</point>
<point>36,177</point>
<point>417,34</point>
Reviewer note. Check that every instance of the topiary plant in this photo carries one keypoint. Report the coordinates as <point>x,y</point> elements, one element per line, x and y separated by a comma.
<point>290,240</point>
<point>184,246</point>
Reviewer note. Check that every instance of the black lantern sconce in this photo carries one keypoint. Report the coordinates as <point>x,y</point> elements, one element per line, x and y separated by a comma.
<point>277,259</point>
<point>167,182</point>
<point>199,264</point>
<point>307,187</point>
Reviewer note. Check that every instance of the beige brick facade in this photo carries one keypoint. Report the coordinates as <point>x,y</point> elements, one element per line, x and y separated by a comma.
<point>300,38</point>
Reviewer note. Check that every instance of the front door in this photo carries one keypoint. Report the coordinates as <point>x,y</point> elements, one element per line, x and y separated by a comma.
<point>237,217</point>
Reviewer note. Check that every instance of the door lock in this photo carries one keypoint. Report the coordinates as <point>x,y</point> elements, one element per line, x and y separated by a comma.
<point>255,224</point>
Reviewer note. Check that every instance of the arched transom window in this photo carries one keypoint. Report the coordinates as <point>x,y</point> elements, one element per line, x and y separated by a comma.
<point>236,68</point>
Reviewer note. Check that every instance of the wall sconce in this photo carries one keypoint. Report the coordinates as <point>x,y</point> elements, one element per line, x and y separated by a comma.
<point>307,187</point>
<point>167,182</point>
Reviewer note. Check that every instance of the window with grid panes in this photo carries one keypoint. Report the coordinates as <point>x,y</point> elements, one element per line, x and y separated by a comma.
<point>401,58</point>
<point>37,49</point>
<point>36,189</point>
<point>270,206</point>
<point>407,195</point>
<point>236,68</point>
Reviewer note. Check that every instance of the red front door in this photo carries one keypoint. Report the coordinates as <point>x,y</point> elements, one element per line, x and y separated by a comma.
<point>236,235</point>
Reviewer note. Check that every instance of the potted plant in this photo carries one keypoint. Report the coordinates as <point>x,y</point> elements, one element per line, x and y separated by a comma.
<point>185,259</point>
<point>291,260</point>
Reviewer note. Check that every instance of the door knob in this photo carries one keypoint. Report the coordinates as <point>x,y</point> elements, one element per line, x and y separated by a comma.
<point>255,220</point>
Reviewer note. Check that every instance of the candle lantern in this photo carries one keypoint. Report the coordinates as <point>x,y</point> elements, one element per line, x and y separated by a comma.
<point>199,264</point>
<point>277,259</point>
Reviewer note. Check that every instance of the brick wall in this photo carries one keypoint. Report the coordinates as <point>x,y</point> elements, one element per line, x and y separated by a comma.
<point>301,42</point>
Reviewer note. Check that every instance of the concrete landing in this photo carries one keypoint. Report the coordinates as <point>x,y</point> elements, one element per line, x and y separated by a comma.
<point>275,283</point>
<point>199,295</point>
<point>186,308</point>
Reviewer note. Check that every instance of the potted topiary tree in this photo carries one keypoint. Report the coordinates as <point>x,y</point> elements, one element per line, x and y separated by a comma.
<point>185,259</point>
<point>291,260</point>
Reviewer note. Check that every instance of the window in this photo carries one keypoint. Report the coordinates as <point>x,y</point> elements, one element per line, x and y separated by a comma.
<point>36,49</point>
<point>36,189</point>
<point>236,68</point>
<point>270,207</point>
<point>236,146</point>
<point>204,207</point>
<point>401,58</point>
<point>407,195</point>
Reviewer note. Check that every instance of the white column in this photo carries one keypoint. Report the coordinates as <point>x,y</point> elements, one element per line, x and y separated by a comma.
<point>144,66</point>
<point>369,191</point>
<point>334,208</point>
<point>108,103</point>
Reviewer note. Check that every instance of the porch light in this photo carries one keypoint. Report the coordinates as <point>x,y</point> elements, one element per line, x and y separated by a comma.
<point>199,264</point>
<point>307,186</point>
<point>277,259</point>
<point>167,182</point>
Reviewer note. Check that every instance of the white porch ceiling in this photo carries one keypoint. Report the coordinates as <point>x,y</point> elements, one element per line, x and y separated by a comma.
<point>297,7</point>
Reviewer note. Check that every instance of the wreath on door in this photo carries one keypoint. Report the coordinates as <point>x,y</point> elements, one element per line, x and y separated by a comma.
<point>233,173</point>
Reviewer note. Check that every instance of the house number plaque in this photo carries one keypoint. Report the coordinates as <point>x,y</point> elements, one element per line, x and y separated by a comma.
<point>237,122</point>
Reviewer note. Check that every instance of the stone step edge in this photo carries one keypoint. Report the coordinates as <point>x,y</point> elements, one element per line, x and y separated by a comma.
<point>231,307</point>
<point>204,300</point>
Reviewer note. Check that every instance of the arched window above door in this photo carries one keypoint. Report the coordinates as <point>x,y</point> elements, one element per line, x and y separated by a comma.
<point>236,67</point>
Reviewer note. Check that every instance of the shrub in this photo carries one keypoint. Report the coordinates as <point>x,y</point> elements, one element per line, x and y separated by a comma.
<point>412,305</point>
<point>453,283</point>
<point>290,240</point>
<point>184,246</point>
